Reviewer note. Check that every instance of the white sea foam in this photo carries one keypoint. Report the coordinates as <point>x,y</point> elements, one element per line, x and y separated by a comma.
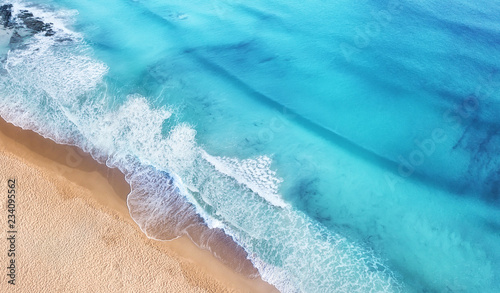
<point>256,174</point>
<point>62,81</point>
<point>57,89</point>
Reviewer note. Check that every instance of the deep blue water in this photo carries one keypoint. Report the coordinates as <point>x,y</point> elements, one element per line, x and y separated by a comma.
<point>347,146</point>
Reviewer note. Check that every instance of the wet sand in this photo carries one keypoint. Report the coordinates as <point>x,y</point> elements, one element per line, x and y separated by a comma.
<point>75,232</point>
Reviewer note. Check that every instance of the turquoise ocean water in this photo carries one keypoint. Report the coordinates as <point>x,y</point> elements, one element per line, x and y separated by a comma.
<point>346,146</point>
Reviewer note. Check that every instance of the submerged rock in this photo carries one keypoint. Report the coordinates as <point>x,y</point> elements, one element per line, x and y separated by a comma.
<point>16,41</point>
<point>16,38</point>
<point>50,32</point>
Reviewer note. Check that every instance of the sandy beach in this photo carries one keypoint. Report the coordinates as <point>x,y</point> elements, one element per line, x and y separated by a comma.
<point>74,232</point>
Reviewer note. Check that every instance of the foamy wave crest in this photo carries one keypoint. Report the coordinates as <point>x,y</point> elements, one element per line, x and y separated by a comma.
<point>57,79</point>
<point>256,174</point>
<point>63,81</point>
<point>290,250</point>
<point>132,138</point>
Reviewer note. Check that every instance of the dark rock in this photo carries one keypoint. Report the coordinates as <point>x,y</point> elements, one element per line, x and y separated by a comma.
<point>16,38</point>
<point>62,40</point>
<point>35,24</point>
<point>50,32</point>
<point>25,14</point>
<point>6,15</point>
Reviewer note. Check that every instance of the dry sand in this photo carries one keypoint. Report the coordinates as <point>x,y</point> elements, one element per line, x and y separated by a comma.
<point>74,233</point>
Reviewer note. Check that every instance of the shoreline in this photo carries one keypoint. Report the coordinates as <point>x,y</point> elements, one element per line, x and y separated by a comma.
<point>104,190</point>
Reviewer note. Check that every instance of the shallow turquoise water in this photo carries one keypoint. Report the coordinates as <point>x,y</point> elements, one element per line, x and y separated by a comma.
<point>347,146</point>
